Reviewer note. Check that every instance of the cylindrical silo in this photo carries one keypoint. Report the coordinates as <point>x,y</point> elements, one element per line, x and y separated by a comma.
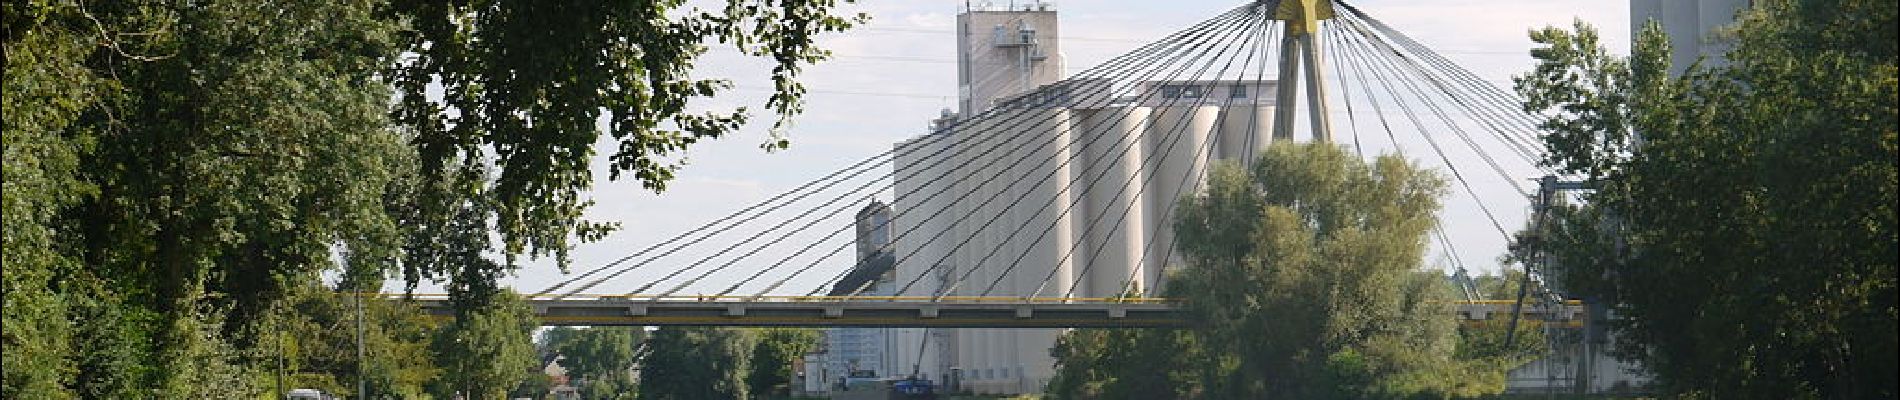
<point>986,164</point>
<point>1045,211</point>
<point>1047,237</point>
<point>1178,136</point>
<point>912,222</point>
<point>1085,124</point>
<point>912,182</point>
<point>1115,152</point>
<point>981,141</point>
<point>1012,224</point>
<point>966,156</point>
<point>1244,130</point>
<point>963,162</point>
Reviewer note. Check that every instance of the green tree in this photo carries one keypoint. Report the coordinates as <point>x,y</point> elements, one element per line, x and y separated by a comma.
<point>534,387</point>
<point>601,358</point>
<point>1744,222</point>
<point>1308,268</point>
<point>505,102</point>
<point>614,387</point>
<point>1485,341</point>
<point>46,88</point>
<point>197,161</point>
<point>1133,364</point>
<point>486,352</point>
<point>696,363</point>
<point>177,166</point>
<point>313,333</point>
<point>773,352</point>
<point>1305,278</point>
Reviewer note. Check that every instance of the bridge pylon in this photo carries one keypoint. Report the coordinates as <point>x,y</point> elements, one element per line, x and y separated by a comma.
<point>1301,61</point>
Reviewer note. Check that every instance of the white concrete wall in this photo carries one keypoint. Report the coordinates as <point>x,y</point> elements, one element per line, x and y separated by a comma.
<point>1179,136</point>
<point>920,192</point>
<point>1114,152</point>
<point>1692,26</point>
<point>988,72</point>
<point>1049,214</point>
<point>1017,361</point>
<point>815,374</point>
<point>1245,130</point>
<point>1558,373</point>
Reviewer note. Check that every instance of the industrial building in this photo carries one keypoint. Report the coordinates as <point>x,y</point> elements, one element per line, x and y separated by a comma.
<point>1128,151</point>
<point>1694,28</point>
<point>863,352</point>
<point>1579,361</point>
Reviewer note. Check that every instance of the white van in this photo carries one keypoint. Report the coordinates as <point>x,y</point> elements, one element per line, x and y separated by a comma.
<point>307,394</point>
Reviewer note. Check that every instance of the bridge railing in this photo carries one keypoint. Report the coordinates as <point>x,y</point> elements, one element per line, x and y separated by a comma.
<point>948,311</point>
<point>820,299</point>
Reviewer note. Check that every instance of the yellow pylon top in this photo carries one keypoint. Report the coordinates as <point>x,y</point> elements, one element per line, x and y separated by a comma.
<point>1303,16</point>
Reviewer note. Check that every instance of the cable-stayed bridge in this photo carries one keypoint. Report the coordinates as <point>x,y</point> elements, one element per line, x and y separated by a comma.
<point>894,311</point>
<point>1048,205</point>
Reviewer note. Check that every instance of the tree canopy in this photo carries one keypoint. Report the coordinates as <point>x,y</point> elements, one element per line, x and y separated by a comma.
<point>1744,221</point>
<point>486,352</point>
<point>1304,278</point>
<point>502,101</point>
<point>697,363</point>
<point>599,360</point>
<point>773,356</point>
<point>176,171</point>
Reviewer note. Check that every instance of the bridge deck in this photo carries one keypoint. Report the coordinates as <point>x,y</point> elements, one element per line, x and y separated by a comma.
<point>946,312</point>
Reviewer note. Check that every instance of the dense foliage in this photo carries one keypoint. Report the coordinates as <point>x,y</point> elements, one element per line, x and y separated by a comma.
<point>1304,276</point>
<point>310,342</point>
<point>488,351</point>
<point>501,100</point>
<point>696,363</point>
<point>180,174</point>
<point>773,355</point>
<point>1134,364</point>
<point>1744,222</point>
<point>680,363</point>
<point>598,360</point>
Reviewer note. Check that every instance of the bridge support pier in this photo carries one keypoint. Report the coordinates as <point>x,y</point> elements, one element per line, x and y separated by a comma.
<point>1300,51</point>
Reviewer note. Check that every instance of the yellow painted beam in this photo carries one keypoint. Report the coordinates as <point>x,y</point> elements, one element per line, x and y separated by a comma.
<point>721,320</point>
<point>1303,16</point>
<point>974,299</point>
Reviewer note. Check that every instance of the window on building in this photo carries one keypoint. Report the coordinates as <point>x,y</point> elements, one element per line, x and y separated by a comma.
<point>1192,92</point>
<point>1237,92</point>
<point>1183,91</point>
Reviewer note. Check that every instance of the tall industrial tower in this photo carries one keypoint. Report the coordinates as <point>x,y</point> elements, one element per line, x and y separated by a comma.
<point>1129,146</point>
<point>1002,52</point>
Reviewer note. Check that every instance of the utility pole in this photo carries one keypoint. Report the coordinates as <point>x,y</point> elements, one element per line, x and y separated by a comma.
<point>281,394</point>
<point>1537,259</point>
<point>362,364</point>
<point>1299,50</point>
<point>1547,188</point>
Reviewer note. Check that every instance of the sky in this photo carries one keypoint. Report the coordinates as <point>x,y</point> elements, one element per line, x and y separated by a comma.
<point>890,76</point>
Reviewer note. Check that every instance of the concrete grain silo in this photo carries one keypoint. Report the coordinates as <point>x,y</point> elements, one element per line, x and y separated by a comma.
<point>1072,182</point>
